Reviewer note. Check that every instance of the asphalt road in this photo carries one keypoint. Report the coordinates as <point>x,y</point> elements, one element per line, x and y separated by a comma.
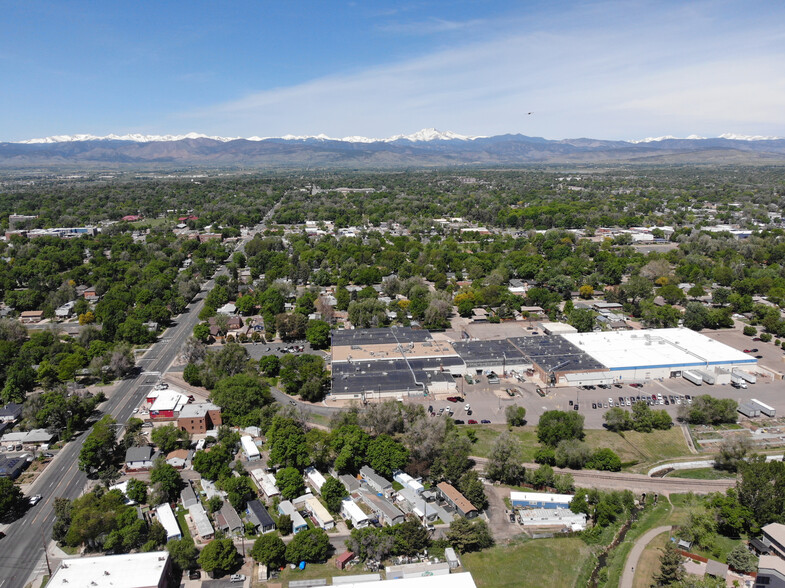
<point>22,550</point>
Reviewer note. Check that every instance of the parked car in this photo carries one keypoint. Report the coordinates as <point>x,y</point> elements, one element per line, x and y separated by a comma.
<point>49,455</point>
<point>237,578</point>
<point>194,575</point>
<point>594,405</point>
<point>458,422</point>
<point>472,422</point>
<point>485,422</point>
<point>756,338</point>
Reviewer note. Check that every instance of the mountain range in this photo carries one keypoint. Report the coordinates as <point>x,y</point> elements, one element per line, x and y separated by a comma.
<point>426,148</point>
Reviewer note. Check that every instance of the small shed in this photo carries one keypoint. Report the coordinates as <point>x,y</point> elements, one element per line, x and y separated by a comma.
<point>716,569</point>
<point>452,558</point>
<point>343,560</point>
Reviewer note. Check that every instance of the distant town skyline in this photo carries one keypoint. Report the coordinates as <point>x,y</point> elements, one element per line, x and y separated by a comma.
<point>609,70</point>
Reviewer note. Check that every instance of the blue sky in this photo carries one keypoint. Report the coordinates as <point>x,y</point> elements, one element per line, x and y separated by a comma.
<point>611,69</point>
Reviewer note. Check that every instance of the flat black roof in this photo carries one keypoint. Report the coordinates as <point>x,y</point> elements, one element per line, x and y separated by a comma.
<point>554,352</point>
<point>487,351</point>
<point>389,335</point>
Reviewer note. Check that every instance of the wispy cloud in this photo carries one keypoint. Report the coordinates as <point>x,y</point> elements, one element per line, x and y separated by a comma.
<point>431,26</point>
<point>645,72</point>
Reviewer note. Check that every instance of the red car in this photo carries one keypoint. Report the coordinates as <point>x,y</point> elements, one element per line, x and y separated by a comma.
<point>452,399</point>
<point>756,338</point>
<point>472,422</point>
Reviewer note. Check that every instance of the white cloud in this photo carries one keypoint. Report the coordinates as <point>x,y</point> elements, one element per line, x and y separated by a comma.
<point>640,75</point>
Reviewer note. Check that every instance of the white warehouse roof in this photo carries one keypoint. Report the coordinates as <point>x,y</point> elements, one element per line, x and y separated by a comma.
<point>129,570</point>
<point>656,348</point>
<point>462,580</point>
<point>540,497</point>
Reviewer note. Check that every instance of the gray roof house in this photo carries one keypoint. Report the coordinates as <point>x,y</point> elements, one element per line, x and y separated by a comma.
<point>188,496</point>
<point>385,510</point>
<point>375,481</point>
<point>140,458</point>
<point>10,412</point>
<point>228,520</point>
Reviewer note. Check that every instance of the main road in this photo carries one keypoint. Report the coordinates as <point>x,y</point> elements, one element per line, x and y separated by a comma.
<point>22,549</point>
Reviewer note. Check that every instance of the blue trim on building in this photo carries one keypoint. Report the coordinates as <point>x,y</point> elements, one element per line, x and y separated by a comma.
<point>682,365</point>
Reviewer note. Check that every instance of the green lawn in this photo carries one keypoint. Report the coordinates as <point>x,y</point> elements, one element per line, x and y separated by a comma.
<point>644,448</point>
<point>536,563</point>
<point>701,474</point>
<point>316,571</point>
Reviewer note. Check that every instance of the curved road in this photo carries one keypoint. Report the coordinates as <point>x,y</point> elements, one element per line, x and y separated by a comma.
<point>635,554</point>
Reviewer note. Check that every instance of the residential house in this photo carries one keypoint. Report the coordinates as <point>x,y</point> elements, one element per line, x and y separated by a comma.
<point>10,412</point>
<point>31,316</point>
<point>180,458</point>
<point>140,458</point>
<point>771,572</point>
<point>349,482</point>
<point>188,497</point>
<point>385,511</point>
<point>249,448</point>
<point>457,500</point>
<point>317,511</point>
<point>352,512</point>
<point>204,527</point>
<point>259,516</point>
<point>298,522</point>
<point>375,481</point>
<point>64,311</point>
<point>774,538</point>
<point>266,482</point>
<point>165,516</point>
<point>228,520</point>
<point>314,479</point>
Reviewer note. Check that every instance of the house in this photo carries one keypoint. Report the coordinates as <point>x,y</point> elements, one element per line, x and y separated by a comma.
<point>33,437</point>
<point>10,412</point>
<point>375,481</point>
<point>228,308</point>
<point>31,316</point>
<point>165,516</point>
<point>774,538</point>
<point>343,560</point>
<point>128,570</point>
<point>66,310</point>
<point>407,481</point>
<point>11,467</point>
<point>415,503</point>
<point>457,500</point>
<point>204,527</point>
<point>386,512</point>
<point>90,295</point>
<point>349,482</point>
<point>180,458</point>
<point>298,522</point>
<point>771,572</point>
<point>319,514</point>
<point>351,512</point>
<point>199,418</point>
<point>314,479</point>
<point>228,520</point>
<point>259,516</point>
<point>188,497</point>
<point>249,448</point>
<point>140,458</point>
<point>265,481</point>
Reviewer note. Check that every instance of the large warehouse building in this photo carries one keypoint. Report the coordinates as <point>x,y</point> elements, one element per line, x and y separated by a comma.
<point>399,361</point>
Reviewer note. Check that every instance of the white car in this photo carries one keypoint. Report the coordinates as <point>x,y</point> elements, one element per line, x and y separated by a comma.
<point>237,578</point>
<point>468,407</point>
<point>35,499</point>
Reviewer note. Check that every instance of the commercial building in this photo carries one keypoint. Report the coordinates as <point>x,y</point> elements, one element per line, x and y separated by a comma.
<point>540,500</point>
<point>552,517</point>
<point>166,404</point>
<point>128,570</point>
<point>199,418</point>
<point>456,500</point>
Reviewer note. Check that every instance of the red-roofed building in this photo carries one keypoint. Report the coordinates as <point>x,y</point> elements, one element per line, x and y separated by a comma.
<point>131,217</point>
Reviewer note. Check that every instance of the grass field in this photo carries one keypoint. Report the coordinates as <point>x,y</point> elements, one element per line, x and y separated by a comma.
<point>645,448</point>
<point>315,572</point>
<point>531,564</point>
<point>701,474</point>
<point>649,562</point>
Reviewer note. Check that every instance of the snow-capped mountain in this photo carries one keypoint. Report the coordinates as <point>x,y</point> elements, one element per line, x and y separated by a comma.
<point>430,134</point>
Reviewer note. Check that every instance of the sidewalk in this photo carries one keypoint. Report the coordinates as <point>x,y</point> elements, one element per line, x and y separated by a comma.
<point>635,554</point>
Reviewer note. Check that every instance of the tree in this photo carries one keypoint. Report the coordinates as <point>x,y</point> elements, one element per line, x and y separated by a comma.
<point>183,552</point>
<point>318,334</point>
<point>473,489</point>
<point>385,455</point>
<point>696,316</point>
<point>371,543</point>
<point>240,397</point>
<point>467,536</point>
<point>733,451</point>
<point>310,545</point>
<point>604,459</point>
<point>168,437</point>
<point>504,461</point>
<point>240,490</point>
<point>290,482</point>
<point>350,444</point>
<point>333,492</point>
<point>99,450</point>
<point>287,443</point>
<point>582,319</point>
<point>291,327</point>
<point>742,559</point>
<point>62,522</point>
<point>411,538</point>
<point>269,550</point>
<point>671,569</point>
<point>285,524</point>
<point>136,491</point>
<point>11,499</point>
<point>453,458</point>
<point>571,453</point>
<point>304,375</point>
<point>516,415</point>
<point>166,480</point>
<point>213,464</point>
<point>269,365</point>
<point>558,425</point>
<point>617,419</point>
<point>219,557</point>
<point>215,503</point>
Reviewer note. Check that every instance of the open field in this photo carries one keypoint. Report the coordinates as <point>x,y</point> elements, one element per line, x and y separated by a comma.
<point>649,562</point>
<point>644,448</point>
<point>536,563</point>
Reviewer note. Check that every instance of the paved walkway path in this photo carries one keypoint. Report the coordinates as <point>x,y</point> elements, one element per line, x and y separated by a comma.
<point>635,554</point>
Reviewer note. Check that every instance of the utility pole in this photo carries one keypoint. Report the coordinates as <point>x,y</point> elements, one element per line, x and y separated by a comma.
<point>46,554</point>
